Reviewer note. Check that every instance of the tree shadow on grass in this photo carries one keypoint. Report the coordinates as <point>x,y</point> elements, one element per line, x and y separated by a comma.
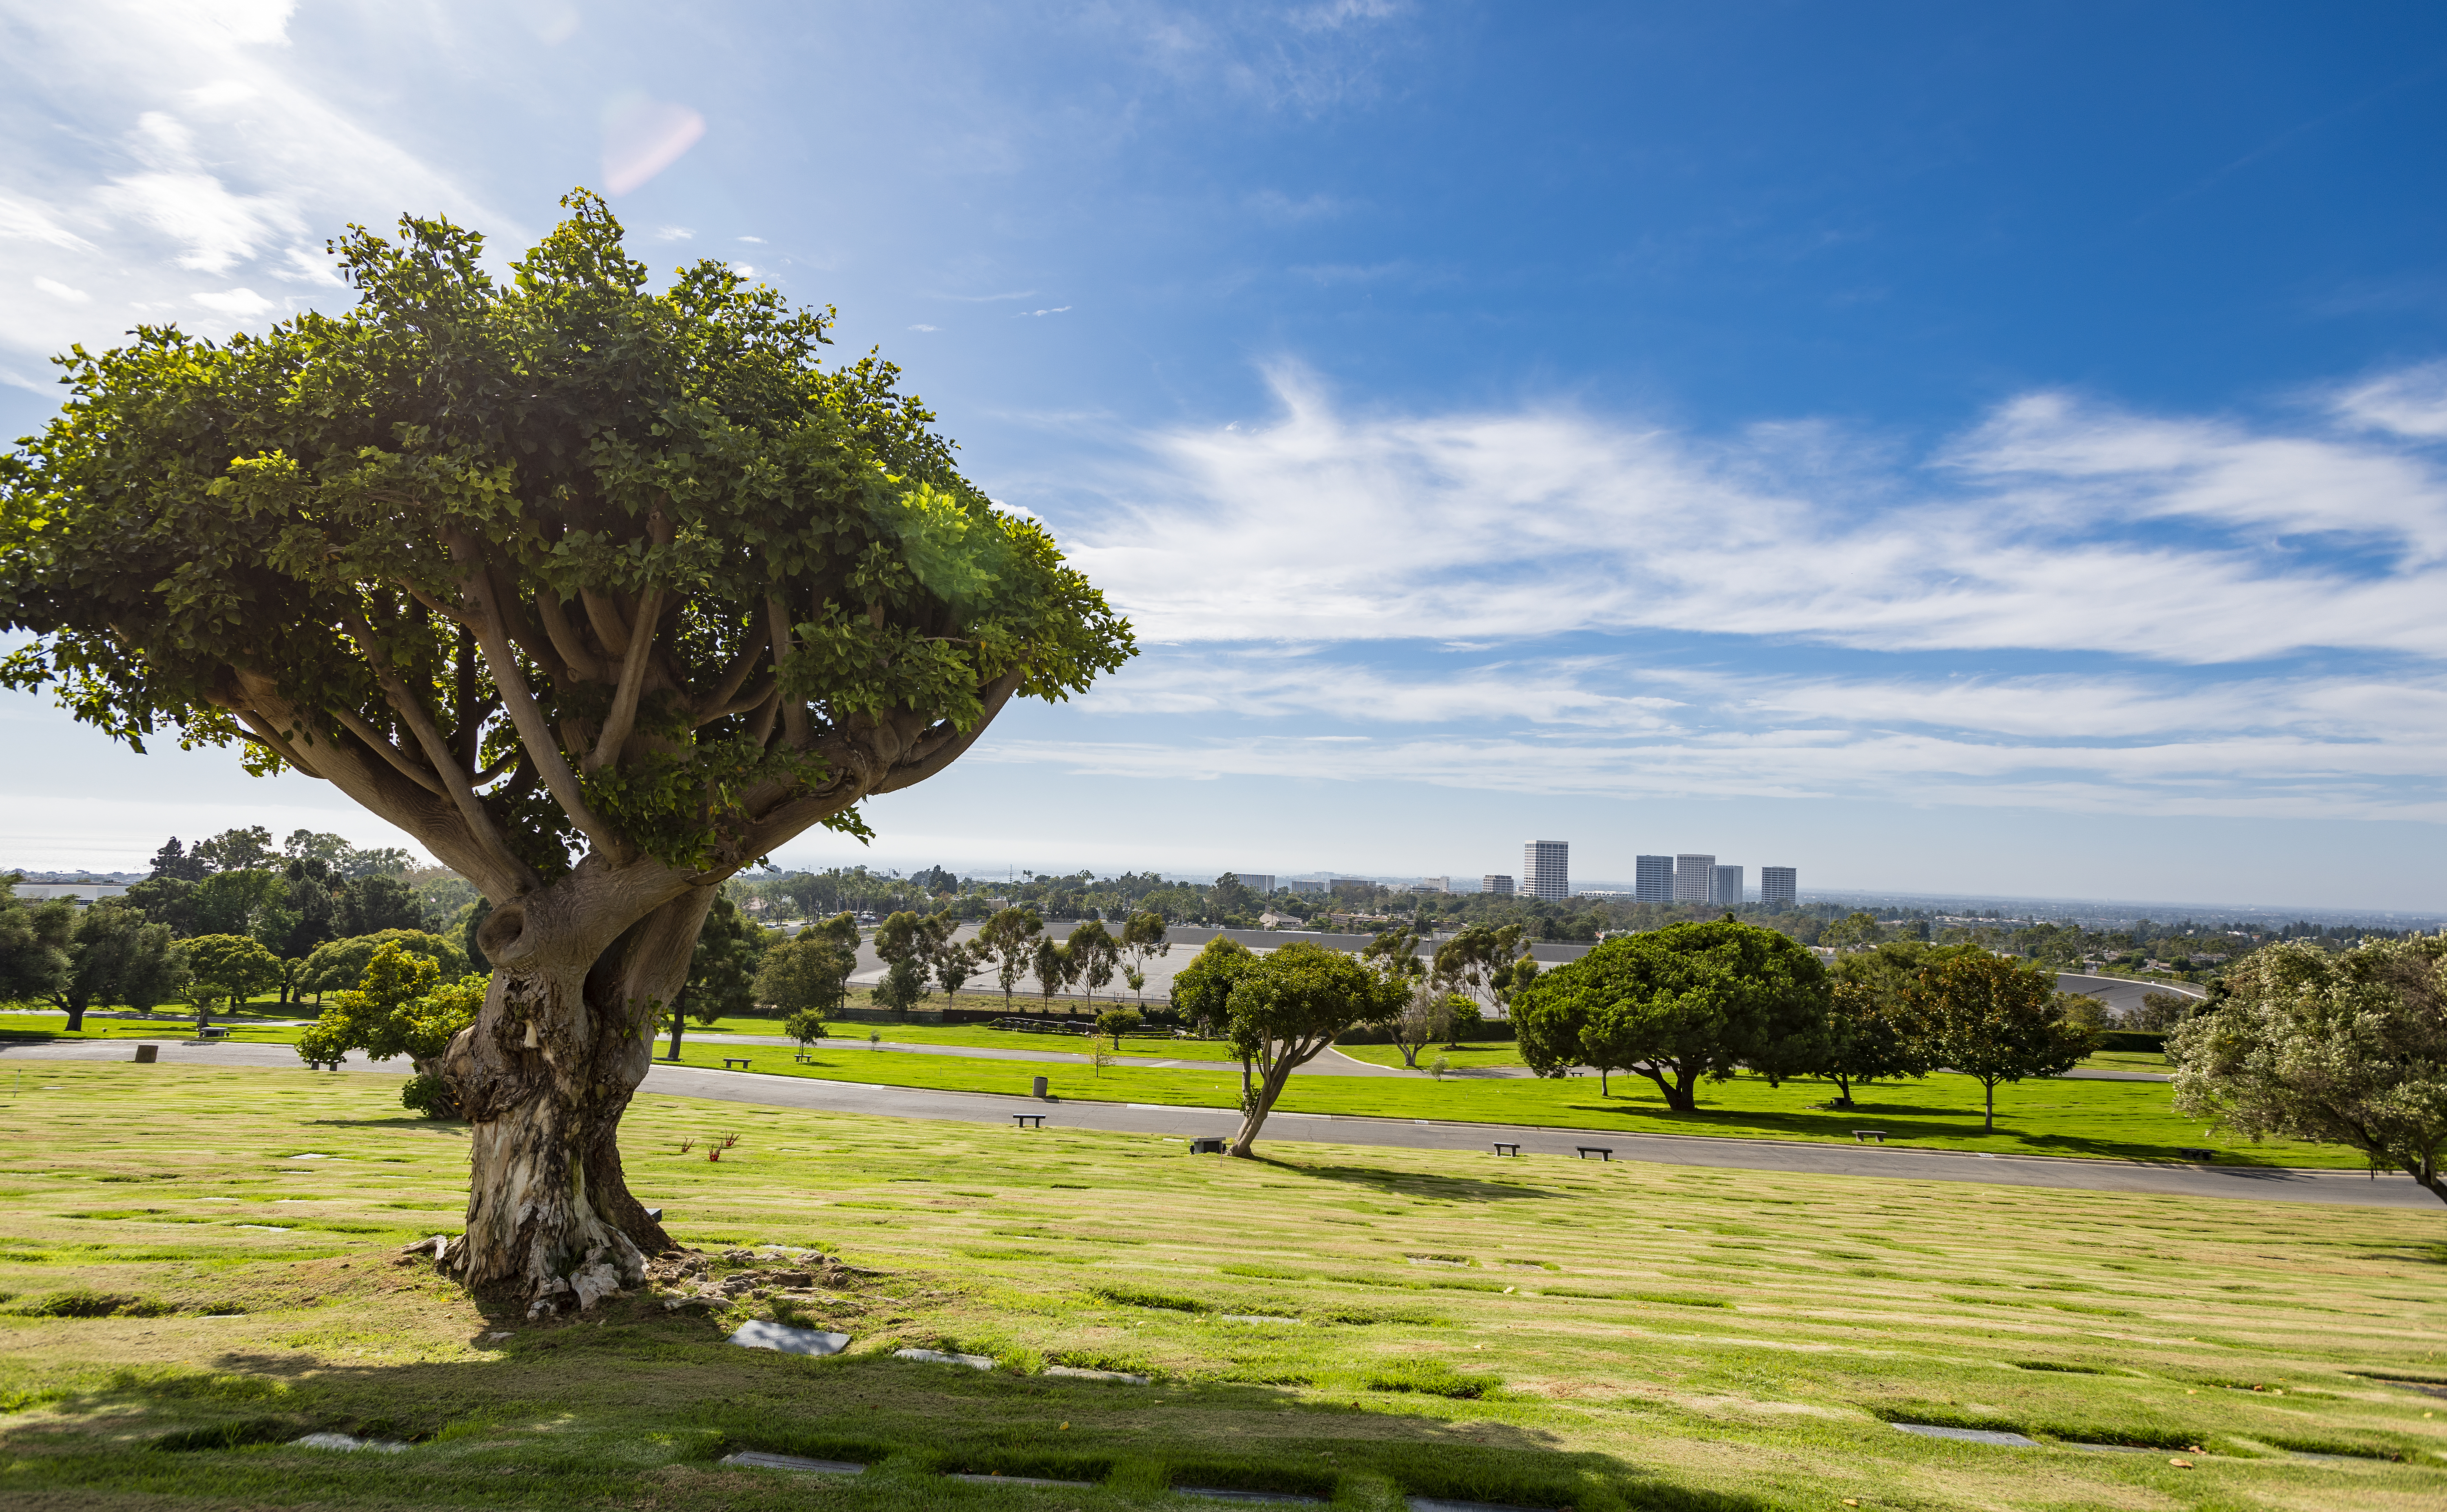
<point>1409,1183</point>
<point>570,1405</point>
<point>1903,1123</point>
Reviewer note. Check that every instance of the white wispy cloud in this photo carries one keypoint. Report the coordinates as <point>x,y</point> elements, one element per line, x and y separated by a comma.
<point>2053,525</point>
<point>193,141</point>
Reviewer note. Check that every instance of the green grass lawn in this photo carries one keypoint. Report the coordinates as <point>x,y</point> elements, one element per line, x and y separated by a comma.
<point>183,1295</point>
<point>2113,1120</point>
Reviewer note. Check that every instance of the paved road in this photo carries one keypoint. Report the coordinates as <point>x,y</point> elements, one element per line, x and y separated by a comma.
<point>2264,1183</point>
<point>1332,1063</point>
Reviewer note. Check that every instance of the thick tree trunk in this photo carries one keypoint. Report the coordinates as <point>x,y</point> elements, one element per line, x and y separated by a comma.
<point>543,1075</point>
<point>76,1018</point>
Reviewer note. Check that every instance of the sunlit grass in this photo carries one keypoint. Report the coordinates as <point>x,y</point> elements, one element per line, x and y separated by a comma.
<point>1621,1335</point>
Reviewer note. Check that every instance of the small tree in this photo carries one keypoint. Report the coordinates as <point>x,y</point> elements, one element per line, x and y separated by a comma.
<point>1054,967</point>
<point>1143,941</point>
<point>1994,1019</point>
<point>2344,1050</point>
<point>229,967</point>
<point>904,985</point>
<point>1426,1017</point>
<point>806,1025</point>
<point>1676,1004</point>
<point>954,965</point>
<point>1202,992</point>
<point>401,1007</point>
<point>1115,1022</point>
<point>1286,1008</point>
<point>1092,953</point>
<point>803,975</point>
<point>1478,962</point>
<point>1009,939</point>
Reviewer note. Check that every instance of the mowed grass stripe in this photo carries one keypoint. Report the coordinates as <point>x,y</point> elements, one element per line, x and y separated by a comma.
<point>1776,1398</point>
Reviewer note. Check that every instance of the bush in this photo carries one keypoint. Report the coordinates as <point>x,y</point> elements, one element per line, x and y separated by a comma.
<point>430,1095</point>
<point>2132,1039</point>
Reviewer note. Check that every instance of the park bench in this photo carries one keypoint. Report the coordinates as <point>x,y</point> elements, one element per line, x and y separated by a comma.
<point>1863,1136</point>
<point>1507,1151</point>
<point>2194,1152</point>
<point>739,1061</point>
<point>1029,1120</point>
<point>331,1064</point>
<point>1604,1152</point>
<point>804,1058</point>
<point>1207,1147</point>
<point>212,1032</point>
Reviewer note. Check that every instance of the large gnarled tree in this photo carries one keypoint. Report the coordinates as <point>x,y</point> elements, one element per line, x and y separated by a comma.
<point>598,593</point>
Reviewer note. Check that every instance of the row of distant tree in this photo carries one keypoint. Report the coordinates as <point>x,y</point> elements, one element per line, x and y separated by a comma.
<point>226,920</point>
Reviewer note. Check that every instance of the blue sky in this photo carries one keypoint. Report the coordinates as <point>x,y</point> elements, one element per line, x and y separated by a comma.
<point>1991,449</point>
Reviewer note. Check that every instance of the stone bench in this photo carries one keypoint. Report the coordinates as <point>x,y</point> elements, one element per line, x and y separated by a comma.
<point>732,1061</point>
<point>1207,1147</point>
<point>1029,1120</point>
<point>1604,1152</point>
<point>1863,1136</point>
<point>1507,1151</point>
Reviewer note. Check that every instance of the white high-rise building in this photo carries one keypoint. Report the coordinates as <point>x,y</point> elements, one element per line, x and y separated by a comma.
<point>1695,878</point>
<point>1727,888</point>
<point>1546,869</point>
<point>1652,879</point>
<point>1777,887</point>
<point>1492,883</point>
<point>1434,884</point>
<point>1259,882</point>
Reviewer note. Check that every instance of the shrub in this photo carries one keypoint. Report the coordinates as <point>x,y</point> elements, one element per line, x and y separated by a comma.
<point>430,1095</point>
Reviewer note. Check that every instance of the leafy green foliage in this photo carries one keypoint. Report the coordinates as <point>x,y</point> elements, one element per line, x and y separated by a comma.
<point>229,966</point>
<point>1994,1018</point>
<point>341,964</point>
<point>805,974</point>
<point>33,943</point>
<point>1680,1003</point>
<point>402,1006</point>
<point>115,956</point>
<point>413,547</point>
<point>2348,1050</point>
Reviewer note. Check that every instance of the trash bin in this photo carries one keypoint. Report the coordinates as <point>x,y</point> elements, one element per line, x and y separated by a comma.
<point>147,1054</point>
<point>1038,1090</point>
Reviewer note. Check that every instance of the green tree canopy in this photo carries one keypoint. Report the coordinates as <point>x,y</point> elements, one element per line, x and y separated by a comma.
<point>1009,940</point>
<point>1994,1019</point>
<point>402,1006</point>
<point>33,943</point>
<point>803,975</point>
<point>1678,1004</point>
<point>1202,991</point>
<point>2348,1049</point>
<point>115,956</point>
<point>340,965</point>
<point>1286,1007</point>
<point>231,967</point>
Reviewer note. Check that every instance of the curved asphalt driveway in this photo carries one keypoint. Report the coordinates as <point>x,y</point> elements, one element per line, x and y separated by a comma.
<point>2267,1183</point>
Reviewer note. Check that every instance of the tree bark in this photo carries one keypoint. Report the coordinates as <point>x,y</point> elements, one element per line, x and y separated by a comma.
<point>1253,1109</point>
<point>544,1073</point>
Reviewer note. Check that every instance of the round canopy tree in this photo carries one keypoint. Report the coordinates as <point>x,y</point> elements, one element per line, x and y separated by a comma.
<point>598,593</point>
